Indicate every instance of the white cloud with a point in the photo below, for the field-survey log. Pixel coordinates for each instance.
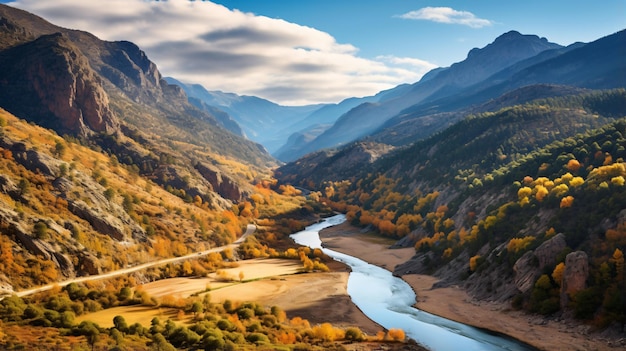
(447, 15)
(229, 50)
(407, 61)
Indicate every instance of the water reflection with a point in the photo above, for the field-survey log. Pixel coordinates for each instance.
(388, 301)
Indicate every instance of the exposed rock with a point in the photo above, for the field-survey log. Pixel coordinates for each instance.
(418, 264)
(49, 81)
(63, 184)
(130, 70)
(575, 275)
(223, 185)
(5, 285)
(530, 266)
(35, 246)
(37, 162)
(101, 221)
(9, 187)
(88, 265)
(32, 160)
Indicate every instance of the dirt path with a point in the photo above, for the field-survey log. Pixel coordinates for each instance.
(249, 231)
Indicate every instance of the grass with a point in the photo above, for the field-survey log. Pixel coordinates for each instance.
(132, 314)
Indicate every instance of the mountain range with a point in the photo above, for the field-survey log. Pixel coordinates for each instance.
(409, 112)
(504, 171)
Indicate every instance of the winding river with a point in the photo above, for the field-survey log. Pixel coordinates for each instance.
(389, 300)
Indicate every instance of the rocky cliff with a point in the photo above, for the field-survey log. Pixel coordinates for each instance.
(50, 82)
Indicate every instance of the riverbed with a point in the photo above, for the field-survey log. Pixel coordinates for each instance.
(389, 301)
(454, 303)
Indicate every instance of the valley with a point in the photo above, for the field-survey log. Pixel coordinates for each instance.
(144, 212)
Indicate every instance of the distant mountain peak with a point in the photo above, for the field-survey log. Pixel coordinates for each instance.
(513, 42)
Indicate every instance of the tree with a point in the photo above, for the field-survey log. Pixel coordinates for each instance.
(159, 343)
(618, 258)
(41, 230)
(60, 148)
(125, 294)
(557, 274)
(24, 186)
(90, 331)
(120, 324)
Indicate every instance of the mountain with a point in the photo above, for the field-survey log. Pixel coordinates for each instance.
(559, 71)
(505, 51)
(110, 95)
(523, 204)
(261, 120)
(325, 117)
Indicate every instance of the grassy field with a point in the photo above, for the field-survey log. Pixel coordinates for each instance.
(236, 278)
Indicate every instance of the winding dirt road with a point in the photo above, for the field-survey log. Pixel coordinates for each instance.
(249, 231)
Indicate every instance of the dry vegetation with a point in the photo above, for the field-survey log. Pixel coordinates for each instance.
(156, 223)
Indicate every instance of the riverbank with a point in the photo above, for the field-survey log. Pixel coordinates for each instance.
(453, 303)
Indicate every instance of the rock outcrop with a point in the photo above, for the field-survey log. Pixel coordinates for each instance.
(118, 228)
(15, 228)
(49, 81)
(5, 285)
(575, 275)
(530, 266)
(222, 184)
(88, 265)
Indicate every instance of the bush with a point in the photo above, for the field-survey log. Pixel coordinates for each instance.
(354, 334)
(257, 338)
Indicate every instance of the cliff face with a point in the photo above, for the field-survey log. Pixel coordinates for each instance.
(50, 82)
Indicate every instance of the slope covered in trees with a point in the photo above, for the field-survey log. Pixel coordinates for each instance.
(498, 201)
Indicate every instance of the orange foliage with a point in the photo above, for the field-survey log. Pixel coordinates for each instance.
(573, 165)
(327, 332)
(519, 244)
(473, 262)
(617, 235)
(567, 201)
(287, 337)
(289, 190)
(557, 273)
(386, 227)
(396, 334)
(542, 192)
(299, 322)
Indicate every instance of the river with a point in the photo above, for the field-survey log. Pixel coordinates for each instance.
(389, 301)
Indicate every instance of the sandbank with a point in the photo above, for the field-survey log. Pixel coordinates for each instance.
(453, 303)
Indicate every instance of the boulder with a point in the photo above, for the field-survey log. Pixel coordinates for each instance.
(88, 264)
(530, 266)
(575, 275)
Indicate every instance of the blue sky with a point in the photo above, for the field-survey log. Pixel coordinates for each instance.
(306, 51)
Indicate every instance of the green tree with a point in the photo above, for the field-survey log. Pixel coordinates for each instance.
(24, 186)
(120, 324)
(90, 331)
(159, 343)
(41, 230)
(60, 148)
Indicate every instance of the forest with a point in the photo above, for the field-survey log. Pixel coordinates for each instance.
(496, 186)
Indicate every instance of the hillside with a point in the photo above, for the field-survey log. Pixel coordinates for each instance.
(67, 210)
(262, 121)
(523, 204)
(445, 95)
(506, 50)
(111, 96)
